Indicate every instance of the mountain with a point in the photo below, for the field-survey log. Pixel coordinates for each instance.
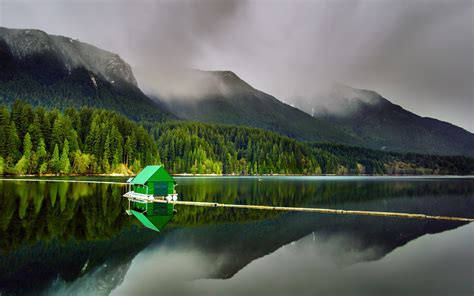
(222, 97)
(386, 126)
(57, 71)
(347, 116)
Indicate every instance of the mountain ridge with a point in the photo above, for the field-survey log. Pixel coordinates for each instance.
(56, 71)
(356, 117)
(384, 125)
(226, 98)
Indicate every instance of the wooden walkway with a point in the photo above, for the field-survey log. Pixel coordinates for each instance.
(317, 210)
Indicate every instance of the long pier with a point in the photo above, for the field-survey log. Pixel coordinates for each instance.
(262, 207)
(317, 210)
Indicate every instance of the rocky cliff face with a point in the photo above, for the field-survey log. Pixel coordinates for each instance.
(59, 72)
(72, 53)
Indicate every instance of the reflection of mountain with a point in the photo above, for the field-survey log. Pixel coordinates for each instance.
(32, 268)
(311, 192)
(236, 245)
(242, 243)
(53, 229)
(316, 265)
(60, 230)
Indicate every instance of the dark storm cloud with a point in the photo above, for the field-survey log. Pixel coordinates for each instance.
(419, 54)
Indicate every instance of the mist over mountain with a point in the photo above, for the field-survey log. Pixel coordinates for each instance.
(338, 113)
(384, 125)
(57, 71)
(223, 97)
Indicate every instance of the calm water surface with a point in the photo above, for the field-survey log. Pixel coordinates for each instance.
(75, 239)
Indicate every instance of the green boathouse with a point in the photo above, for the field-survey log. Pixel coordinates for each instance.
(153, 180)
(152, 183)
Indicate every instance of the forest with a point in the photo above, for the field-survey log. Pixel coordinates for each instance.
(97, 141)
(88, 141)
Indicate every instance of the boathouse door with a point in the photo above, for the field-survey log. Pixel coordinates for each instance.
(161, 188)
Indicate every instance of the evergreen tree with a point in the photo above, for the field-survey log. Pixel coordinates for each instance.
(41, 157)
(4, 127)
(112, 142)
(12, 145)
(107, 155)
(21, 167)
(27, 146)
(55, 163)
(2, 165)
(65, 165)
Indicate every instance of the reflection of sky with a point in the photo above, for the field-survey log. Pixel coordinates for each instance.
(442, 263)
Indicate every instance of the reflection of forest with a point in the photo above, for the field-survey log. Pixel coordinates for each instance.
(48, 229)
(294, 192)
(33, 211)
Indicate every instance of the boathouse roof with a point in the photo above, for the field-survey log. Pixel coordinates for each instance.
(145, 174)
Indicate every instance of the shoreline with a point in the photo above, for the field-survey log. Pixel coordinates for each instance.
(230, 175)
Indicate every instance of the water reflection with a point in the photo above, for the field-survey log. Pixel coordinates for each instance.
(55, 236)
(33, 211)
(440, 264)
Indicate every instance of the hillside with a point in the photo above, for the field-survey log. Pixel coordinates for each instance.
(56, 71)
(59, 72)
(341, 115)
(383, 125)
(222, 97)
(92, 141)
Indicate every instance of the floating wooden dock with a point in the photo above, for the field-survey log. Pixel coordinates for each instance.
(317, 210)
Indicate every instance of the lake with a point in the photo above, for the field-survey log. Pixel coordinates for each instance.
(75, 238)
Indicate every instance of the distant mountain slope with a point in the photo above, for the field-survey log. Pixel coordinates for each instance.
(222, 97)
(348, 115)
(386, 126)
(57, 71)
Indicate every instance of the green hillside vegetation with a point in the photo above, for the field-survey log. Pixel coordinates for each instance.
(395, 129)
(77, 90)
(80, 142)
(231, 100)
(96, 141)
(42, 79)
(363, 160)
(204, 148)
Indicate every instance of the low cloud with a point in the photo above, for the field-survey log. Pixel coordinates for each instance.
(419, 54)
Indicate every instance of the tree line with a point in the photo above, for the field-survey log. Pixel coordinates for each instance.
(97, 141)
(85, 141)
(228, 149)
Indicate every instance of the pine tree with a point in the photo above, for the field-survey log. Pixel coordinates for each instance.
(4, 125)
(12, 145)
(22, 113)
(55, 163)
(27, 146)
(21, 167)
(41, 157)
(57, 133)
(2, 165)
(106, 156)
(65, 165)
(35, 130)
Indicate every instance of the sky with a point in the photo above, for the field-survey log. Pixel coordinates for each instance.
(417, 53)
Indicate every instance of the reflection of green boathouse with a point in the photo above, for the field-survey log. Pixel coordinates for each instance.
(151, 184)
